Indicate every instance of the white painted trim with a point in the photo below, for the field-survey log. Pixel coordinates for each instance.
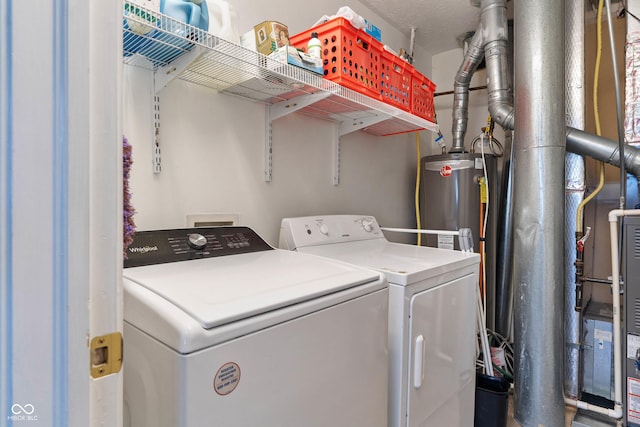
(60, 209)
(105, 232)
(6, 141)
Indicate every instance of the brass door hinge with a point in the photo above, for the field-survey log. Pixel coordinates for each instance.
(106, 355)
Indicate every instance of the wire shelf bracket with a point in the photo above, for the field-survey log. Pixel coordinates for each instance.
(167, 73)
(346, 127)
(287, 107)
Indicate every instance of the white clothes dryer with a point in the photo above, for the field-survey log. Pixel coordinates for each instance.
(432, 314)
(222, 329)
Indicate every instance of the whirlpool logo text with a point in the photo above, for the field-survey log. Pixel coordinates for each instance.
(143, 249)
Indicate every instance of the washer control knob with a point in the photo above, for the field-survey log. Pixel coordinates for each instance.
(197, 241)
(367, 224)
(324, 229)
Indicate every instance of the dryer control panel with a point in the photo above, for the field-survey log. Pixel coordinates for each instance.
(328, 229)
(163, 246)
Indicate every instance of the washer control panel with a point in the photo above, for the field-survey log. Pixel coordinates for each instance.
(162, 246)
(321, 230)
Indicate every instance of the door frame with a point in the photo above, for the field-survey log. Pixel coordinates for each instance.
(60, 209)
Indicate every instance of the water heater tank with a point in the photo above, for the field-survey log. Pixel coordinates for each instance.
(450, 199)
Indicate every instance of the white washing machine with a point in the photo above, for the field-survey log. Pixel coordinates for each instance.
(222, 329)
(432, 314)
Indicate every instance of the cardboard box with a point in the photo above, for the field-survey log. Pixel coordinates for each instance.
(266, 37)
(292, 56)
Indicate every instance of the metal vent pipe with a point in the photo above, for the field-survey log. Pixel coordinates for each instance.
(472, 58)
(538, 212)
(603, 149)
(496, 53)
(490, 41)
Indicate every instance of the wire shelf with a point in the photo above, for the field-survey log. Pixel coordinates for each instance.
(155, 41)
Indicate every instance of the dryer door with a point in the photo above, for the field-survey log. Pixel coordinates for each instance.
(442, 355)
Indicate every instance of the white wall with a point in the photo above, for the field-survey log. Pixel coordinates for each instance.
(213, 149)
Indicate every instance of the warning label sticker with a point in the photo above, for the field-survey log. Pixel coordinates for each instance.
(445, 241)
(633, 344)
(633, 400)
(227, 378)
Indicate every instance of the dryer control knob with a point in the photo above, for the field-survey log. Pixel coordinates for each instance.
(367, 224)
(197, 241)
(324, 229)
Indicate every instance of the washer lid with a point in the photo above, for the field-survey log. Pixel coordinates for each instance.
(218, 291)
(402, 264)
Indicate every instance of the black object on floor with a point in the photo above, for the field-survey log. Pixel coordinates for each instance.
(597, 400)
(492, 401)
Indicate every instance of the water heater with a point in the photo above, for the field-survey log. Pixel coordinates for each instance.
(450, 198)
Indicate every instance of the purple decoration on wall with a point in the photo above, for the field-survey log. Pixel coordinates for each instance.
(129, 225)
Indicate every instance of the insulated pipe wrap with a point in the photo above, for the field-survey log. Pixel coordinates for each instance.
(572, 317)
(574, 187)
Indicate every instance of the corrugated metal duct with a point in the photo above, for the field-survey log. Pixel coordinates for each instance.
(490, 41)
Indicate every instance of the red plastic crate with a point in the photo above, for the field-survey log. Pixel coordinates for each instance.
(395, 81)
(422, 91)
(350, 56)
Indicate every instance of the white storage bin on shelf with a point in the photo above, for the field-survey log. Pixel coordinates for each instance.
(173, 49)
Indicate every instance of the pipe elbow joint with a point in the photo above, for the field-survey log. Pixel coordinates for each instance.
(503, 114)
(632, 159)
(615, 214)
(616, 412)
